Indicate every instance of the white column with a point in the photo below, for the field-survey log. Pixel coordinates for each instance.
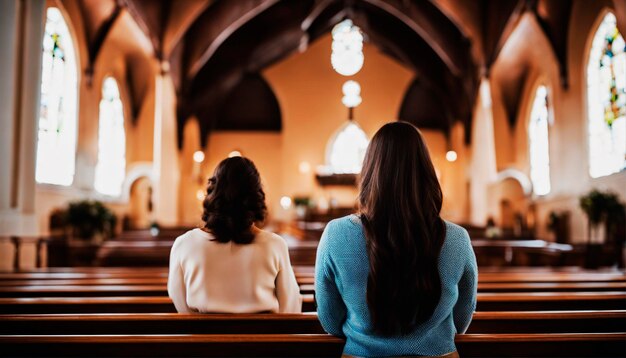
(9, 15)
(20, 64)
(166, 164)
(483, 163)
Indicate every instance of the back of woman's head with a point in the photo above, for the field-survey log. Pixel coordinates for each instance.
(400, 201)
(235, 200)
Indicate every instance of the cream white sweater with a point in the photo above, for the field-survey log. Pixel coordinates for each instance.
(209, 277)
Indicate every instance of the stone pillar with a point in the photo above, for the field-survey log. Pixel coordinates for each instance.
(166, 164)
(483, 159)
(21, 31)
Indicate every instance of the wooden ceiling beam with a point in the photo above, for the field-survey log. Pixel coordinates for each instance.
(554, 18)
(499, 19)
(227, 17)
(434, 27)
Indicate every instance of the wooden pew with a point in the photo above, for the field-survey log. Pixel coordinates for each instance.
(160, 323)
(550, 301)
(160, 304)
(524, 301)
(295, 345)
(172, 323)
(212, 345)
(548, 322)
(541, 345)
(117, 287)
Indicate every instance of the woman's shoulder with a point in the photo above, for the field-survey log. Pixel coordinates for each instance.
(190, 237)
(268, 238)
(346, 223)
(457, 239)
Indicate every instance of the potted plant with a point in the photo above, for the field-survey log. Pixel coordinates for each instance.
(302, 204)
(604, 213)
(90, 221)
(558, 224)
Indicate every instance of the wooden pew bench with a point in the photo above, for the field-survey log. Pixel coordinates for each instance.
(172, 323)
(160, 323)
(548, 322)
(295, 345)
(218, 345)
(43, 305)
(132, 287)
(541, 345)
(525, 301)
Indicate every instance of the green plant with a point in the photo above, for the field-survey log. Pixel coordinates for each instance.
(603, 208)
(302, 201)
(554, 219)
(86, 218)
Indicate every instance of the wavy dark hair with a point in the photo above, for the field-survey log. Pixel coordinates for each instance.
(399, 202)
(235, 200)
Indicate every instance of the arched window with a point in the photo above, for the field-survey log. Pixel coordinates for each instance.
(538, 143)
(606, 100)
(56, 148)
(346, 150)
(111, 167)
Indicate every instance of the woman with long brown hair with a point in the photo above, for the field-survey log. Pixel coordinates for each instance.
(396, 279)
(230, 265)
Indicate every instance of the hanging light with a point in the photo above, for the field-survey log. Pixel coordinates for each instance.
(347, 48)
(198, 156)
(451, 156)
(351, 94)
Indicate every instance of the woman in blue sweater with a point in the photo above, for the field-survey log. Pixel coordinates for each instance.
(396, 279)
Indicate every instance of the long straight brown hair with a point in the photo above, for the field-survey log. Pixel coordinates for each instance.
(400, 201)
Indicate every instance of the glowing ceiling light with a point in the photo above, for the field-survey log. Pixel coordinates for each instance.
(451, 156)
(347, 48)
(234, 153)
(285, 202)
(351, 94)
(198, 156)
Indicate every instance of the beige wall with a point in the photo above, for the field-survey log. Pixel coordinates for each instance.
(568, 129)
(111, 61)
(309, 94)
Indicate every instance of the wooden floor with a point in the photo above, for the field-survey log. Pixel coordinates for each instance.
(521, 312)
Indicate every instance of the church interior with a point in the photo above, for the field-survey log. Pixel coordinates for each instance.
(115, 113)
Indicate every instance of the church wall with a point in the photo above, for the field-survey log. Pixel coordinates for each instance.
(111, 61)
(568, 129)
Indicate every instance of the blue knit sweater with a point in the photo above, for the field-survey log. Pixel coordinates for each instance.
(341, 272)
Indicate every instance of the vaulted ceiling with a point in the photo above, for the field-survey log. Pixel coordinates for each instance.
(215, 49)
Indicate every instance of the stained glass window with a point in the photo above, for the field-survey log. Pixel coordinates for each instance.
(347, 149)
(538, 143)
(56, 148)
(606, 94)
(111, 167)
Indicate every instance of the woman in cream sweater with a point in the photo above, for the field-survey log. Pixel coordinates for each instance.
(230, 265)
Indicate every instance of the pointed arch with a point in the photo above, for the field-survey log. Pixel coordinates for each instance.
(57, 133)
(111, 166)
(538, 141)
(606, 98)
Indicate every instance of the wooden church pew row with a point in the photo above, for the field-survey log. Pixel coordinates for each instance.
(523, 301)
(161, 323)
(548, 322)
(541, 345)
(68, 288)
(218, 345)
(173, 323)
(296, 345)
(306, 275)
(159, 304)
(551, 301)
